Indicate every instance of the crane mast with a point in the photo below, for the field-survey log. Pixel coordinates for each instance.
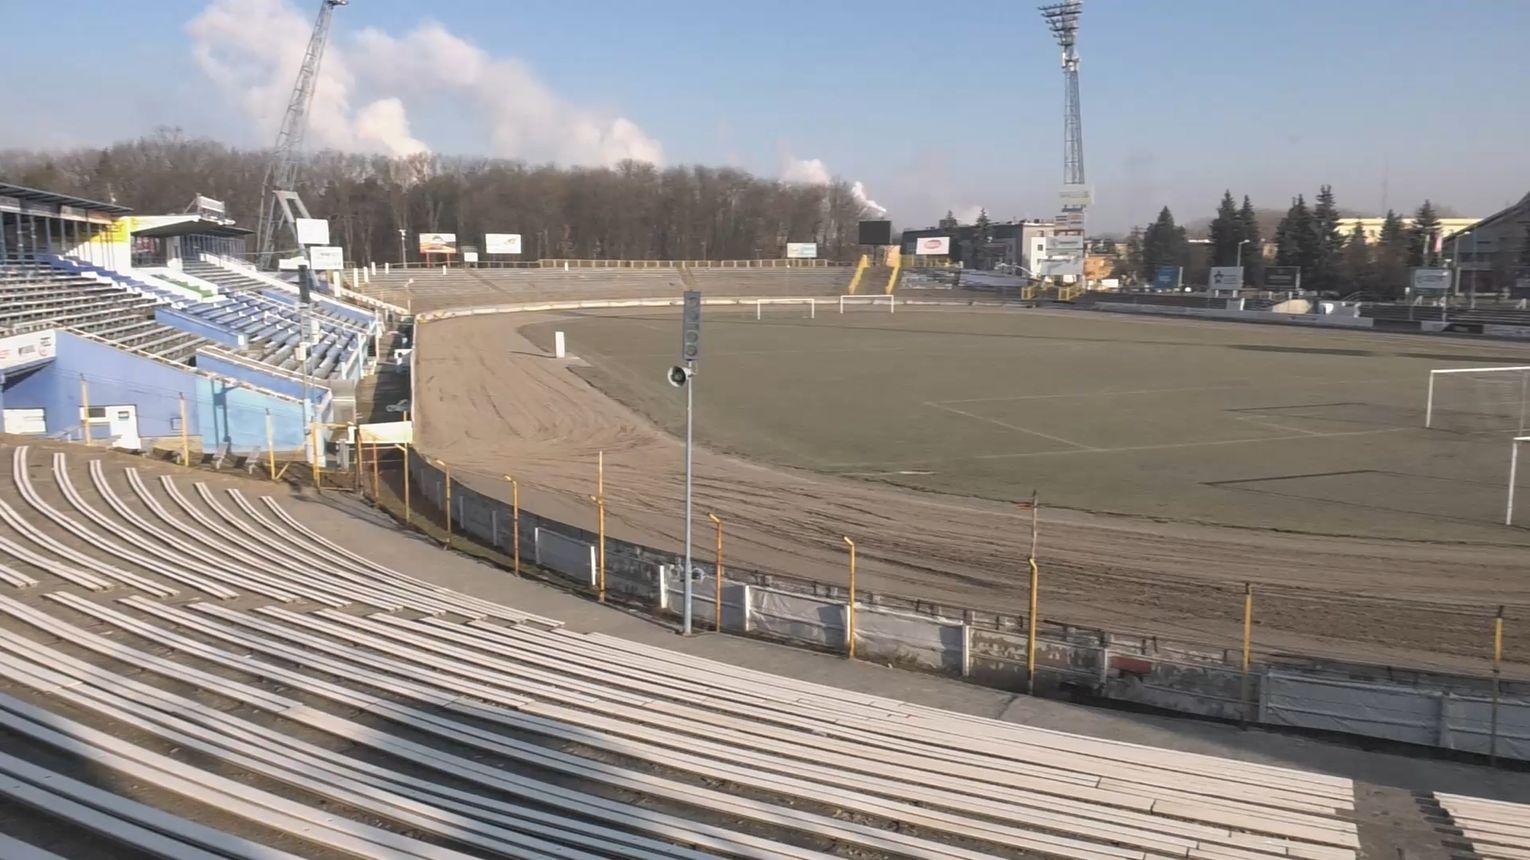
(280, 204)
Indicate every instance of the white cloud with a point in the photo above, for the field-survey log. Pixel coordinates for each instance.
(808, 171)
(812, 171)
(251, 50)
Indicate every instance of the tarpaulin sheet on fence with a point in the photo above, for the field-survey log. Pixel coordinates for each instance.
(814, 620)
(566, 555)
(908, 640)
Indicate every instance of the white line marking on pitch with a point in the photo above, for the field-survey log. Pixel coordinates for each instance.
(1271, 424)
(1007, 425)
(1307, 435)
(1140, 391)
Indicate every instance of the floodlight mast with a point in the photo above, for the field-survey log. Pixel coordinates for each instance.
(1062, 18)
(280, 204)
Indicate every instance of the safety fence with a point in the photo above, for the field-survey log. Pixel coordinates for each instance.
(1478, 715)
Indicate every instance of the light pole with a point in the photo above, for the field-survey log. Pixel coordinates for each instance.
(1240, 251)
(403, 256)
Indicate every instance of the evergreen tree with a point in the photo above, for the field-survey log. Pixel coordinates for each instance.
(981, 237)
(1422, 234)
(1389, 275)
(1253, 252)
(1327, 243)
(1358, 268)
(1226, 232)
(1164, 244)
(1294, 237)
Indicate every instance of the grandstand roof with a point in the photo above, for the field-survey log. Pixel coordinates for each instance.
(195, 227)
(21, 192)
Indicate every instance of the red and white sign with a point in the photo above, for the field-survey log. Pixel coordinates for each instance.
(933, 245)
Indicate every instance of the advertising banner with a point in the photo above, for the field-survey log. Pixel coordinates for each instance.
(933, 245)
(501, 243)
(801, 250)
(1283, 277)
(438, 243)
(326, 258)
(26, 348)
(1226, 278)
(1431, 280)
(312, 231)
(1166, 278)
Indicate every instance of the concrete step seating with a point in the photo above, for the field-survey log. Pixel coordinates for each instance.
(1492, 829)
(35, 296)
(493, 732)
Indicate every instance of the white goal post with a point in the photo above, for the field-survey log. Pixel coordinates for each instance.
(1516, 386)
(759, 306)
(1508, 514)
(869, 300)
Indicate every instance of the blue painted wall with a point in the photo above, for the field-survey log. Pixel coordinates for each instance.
(281, 383)
(217, 410)
(114, 378)
(196, 325)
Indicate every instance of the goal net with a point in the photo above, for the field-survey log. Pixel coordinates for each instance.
(1478, 399)
(790, 308)
(868, 301)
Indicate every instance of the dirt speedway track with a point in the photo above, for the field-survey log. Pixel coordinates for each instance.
(490, 402)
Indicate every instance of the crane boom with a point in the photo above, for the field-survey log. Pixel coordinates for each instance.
(280, 203)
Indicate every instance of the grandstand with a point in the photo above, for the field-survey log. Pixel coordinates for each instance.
(317, 699)
(167, 290)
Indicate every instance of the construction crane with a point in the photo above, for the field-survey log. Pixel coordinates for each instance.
(280, 204)
(1063, 19)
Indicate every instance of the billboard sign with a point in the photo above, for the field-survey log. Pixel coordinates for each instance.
(1226, 278)
(875, 233)
(1166, 278)
(1075, 196)
(1063, 243)
(1283, 277)
(801, 250)
(933, 246)
(26, 348)
(438, 243)
(501, 243)
(312, 231)
(326, 258)
(1431, 281)
(469, 256)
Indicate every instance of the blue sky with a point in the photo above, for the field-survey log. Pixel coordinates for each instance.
(932, 106)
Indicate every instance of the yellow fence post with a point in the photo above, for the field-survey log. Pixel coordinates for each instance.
(270, 445)
(313, 437)
(447, 471)
(850, 608)
(718, 573)
(1497, 677)
(185, 439)
(84, 410)
(376, 483)
(515, 524)
(1248, 642)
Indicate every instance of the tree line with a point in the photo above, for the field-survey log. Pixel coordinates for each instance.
(634, 210)
(1308, 236)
